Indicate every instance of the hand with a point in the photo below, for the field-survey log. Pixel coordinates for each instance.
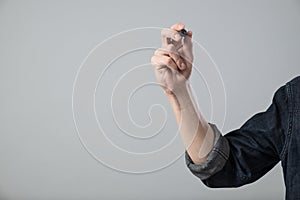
(173, 62)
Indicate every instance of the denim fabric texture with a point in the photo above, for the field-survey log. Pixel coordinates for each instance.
(244, 155)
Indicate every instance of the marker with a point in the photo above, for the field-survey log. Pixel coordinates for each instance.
(183, 32)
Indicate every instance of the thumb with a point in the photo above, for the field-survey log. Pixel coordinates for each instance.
(187, 48)
(188, 39)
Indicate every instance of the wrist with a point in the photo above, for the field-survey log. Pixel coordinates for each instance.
(180, 97)
(176, 95)
(179, 90)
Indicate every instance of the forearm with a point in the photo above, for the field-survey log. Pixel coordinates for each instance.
(196, 134)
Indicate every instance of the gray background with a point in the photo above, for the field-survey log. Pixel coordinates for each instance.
(255, 44)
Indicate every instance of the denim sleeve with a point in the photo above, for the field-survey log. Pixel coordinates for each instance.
(216, 158)
(244, 155)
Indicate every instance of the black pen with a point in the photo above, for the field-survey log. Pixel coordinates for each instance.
(183, 32)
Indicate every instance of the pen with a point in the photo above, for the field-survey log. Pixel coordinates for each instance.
(183, 32)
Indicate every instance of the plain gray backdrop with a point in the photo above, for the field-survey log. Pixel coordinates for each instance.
(255, 44)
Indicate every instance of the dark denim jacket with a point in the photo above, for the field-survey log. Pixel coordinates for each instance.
(244, 155)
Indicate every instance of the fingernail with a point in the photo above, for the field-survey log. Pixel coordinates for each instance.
(183, 66)
(177, 36)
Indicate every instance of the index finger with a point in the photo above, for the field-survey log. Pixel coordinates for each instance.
(178, 26)
(168, 34)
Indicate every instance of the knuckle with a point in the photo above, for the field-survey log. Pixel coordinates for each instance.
(153, 60)
(169, 61)
(179, 61)
(157, 51)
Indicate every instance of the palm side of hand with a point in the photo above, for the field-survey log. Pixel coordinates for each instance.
(173, 61)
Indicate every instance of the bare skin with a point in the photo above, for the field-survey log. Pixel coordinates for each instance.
(172, 64)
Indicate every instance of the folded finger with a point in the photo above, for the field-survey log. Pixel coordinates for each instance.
(168, 35)
(178, 26)
(163, 61)
(171, 52)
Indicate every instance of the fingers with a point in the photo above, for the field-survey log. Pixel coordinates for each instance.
(171, 35)
(163, 61)
(171, 52)
(176, 57)
(178, 26)
(168, 35)
(188, 39)
(186, 51)
(172, 45)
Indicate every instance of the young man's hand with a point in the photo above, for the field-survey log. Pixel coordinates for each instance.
(173, 62)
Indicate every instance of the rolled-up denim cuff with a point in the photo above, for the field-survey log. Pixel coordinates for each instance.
(216, 158)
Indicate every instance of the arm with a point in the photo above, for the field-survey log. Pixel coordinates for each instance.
(196, 133)
(257, 146)
(172, 65)
(241, 156)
